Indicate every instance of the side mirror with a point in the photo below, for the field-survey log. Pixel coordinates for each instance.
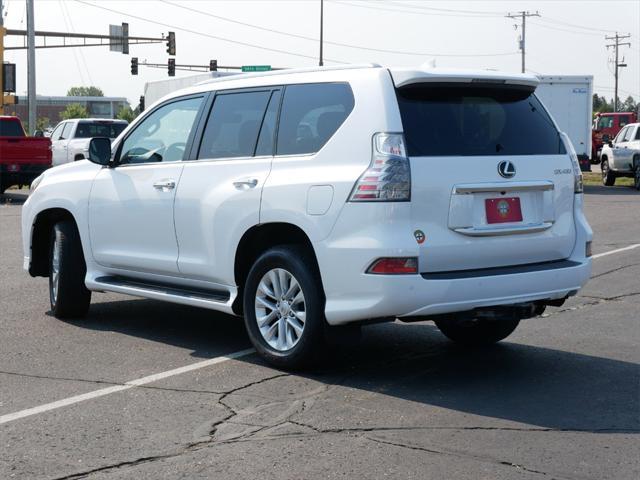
(100, 150)
(610, 143)
(38, 133)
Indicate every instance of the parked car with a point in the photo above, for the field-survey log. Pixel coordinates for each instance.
(606, 126)
(311, 201)
(621, 156)
(70, 139)
(22, 158)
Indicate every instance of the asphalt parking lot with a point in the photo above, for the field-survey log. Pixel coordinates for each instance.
(558, 399)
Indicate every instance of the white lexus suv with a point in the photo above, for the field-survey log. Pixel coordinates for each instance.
(312, 201)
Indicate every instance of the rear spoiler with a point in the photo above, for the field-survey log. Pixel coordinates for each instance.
(404, 77)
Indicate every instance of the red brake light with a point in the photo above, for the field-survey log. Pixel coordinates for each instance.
(394, 266)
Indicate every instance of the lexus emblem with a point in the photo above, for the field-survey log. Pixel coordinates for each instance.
(506, 169)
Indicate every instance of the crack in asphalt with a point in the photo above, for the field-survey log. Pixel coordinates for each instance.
(614, 270)
(461, 455)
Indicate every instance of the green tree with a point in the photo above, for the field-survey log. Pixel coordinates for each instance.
(126, 113)
(85, 92)
(42, 123)
(74, 110)
(629, 105)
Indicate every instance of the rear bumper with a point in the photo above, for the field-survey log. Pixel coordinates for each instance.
(20, 173)
(377, 296)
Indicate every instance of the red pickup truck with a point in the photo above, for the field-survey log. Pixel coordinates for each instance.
(22, 158)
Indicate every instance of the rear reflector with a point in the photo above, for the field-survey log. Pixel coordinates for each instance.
(587, 250)
(394, 266)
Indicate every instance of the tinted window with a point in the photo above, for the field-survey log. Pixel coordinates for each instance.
(310, 115)
(452, 120)
(267, 132)
(66, 133)
(638, 133)
(233, 125)
(96, 129)
(9, 128)
(162, 135)
(624, 120)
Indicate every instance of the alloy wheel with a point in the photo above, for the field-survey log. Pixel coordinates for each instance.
(280, 309)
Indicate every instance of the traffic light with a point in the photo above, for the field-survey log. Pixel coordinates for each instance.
(134, 65)
(141, 104)
(213, 65)
(171, 43)
(172, 67)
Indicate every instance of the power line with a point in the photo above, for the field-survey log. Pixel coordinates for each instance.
(552, 27)
(339, 44)
(202, 34)
(559, 22)
(472, 12)
(415, 12)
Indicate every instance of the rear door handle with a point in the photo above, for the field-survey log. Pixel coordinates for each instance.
(165, 185)
(250, 183)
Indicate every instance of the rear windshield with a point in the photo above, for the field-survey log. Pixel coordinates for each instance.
(452, 120)
(96, 129)
(10, 128)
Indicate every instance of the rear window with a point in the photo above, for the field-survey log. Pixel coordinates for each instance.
(10, 128)
(96, 129)
(311, 114)
(450, 120)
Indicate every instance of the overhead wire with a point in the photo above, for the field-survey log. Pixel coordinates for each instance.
(207, 35)
(73, 30)
(73, 50)
(328, 42)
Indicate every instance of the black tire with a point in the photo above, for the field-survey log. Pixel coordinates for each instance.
(301, 265)
(68, 295)
(477, 331)
(608, 176)
(636, 172)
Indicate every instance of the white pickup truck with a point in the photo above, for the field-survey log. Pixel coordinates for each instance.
(621, 156)
(70, 139)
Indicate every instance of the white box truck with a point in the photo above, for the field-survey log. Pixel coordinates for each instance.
(154, 91)
(569, 100)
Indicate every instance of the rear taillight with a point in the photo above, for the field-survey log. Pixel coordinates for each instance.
(394, 266)
(388, 178)
(577, 173)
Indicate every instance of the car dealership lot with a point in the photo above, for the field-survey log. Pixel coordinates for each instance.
(560, 398)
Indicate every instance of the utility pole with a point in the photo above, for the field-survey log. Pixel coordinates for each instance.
(616, 46)
(1, 60)
(523, 18)
(321, 29)
(31, 66)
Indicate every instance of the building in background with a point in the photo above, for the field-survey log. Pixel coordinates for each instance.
(52, 107)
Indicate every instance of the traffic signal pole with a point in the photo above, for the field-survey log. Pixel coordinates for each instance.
(1, 60)
(31, 66)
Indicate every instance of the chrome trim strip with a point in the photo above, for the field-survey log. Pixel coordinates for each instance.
(503, 187)
(505, 230)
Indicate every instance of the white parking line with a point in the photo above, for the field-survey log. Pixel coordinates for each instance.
(10, 417)
(611, 252)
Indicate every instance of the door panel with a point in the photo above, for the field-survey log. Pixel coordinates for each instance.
(131, 217)
(131, 220)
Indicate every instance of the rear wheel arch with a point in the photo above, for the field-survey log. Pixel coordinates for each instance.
(257, 240)
(41, 238)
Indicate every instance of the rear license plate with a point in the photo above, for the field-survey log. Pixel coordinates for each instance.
(503, 210)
